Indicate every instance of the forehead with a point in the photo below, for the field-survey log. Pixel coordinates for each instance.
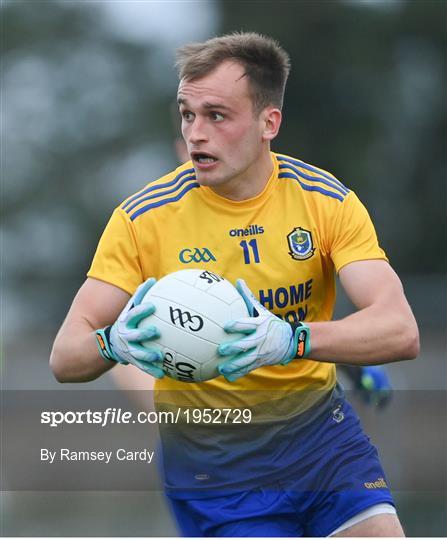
(227, 83)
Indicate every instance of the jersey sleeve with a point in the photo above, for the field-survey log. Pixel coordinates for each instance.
(353, 235)
(116, 260)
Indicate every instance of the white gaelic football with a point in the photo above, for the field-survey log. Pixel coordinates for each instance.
(192, 307)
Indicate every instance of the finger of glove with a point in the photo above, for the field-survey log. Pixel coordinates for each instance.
(141, 334)
(249, 298)
(138, 313)
(231, 377)
(239, 346)
(240, 362)
(145, 354)
(140, 293)
(244, 325)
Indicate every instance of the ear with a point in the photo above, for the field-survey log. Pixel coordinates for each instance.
(271, 121)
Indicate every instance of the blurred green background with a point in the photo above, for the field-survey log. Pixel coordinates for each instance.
(86, 105)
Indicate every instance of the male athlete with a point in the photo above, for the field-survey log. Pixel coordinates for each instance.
(279, 229)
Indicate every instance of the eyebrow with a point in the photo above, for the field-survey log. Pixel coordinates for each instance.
(206, 105)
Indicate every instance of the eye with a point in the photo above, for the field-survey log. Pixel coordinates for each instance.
(187, 116)
(216, 116)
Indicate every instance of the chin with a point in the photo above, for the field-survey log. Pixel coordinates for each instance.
(207, 179)
(208, 182)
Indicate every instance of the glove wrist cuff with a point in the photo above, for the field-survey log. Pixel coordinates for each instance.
(301, 340)
(103, 342)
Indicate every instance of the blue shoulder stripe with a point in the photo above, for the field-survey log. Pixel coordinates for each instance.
(303, 165)
(311, 188)
(182, 193)
(156, 187)
(304, 176)
(160, 194)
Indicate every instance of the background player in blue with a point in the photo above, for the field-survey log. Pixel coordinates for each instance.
(230, 115)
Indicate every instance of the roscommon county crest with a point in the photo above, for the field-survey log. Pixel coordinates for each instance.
(300, 244)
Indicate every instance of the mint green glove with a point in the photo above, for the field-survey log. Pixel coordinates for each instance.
(122, 341)
(268, 340)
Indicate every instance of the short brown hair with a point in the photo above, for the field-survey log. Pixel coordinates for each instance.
(266, 63)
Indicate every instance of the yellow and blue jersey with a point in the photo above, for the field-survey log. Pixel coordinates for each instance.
(287, 243)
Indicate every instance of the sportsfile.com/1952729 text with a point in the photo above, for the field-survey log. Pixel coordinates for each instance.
(113, 415)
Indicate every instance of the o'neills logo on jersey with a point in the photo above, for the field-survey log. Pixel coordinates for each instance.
(379, 483)
(249, 231)
(300, 244)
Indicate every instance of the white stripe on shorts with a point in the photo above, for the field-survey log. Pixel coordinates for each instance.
(383, 508)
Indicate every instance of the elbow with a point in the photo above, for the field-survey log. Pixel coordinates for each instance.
(57, 367)
(414, 346)
(410, 343)
(60, 377)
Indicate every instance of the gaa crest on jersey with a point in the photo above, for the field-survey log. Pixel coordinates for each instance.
(300, 244)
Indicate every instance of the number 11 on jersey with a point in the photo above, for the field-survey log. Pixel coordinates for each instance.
(249, 252)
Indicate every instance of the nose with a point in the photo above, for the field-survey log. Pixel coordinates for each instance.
(196, 131)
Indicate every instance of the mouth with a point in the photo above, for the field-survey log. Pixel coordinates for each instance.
(203, 158)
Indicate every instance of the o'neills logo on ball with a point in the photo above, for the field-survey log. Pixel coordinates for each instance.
(178, 369)
(248, 231)
(185, 371)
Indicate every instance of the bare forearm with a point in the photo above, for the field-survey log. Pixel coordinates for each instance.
(75, 356)
(369, 336)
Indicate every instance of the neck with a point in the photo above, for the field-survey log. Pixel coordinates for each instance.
(249, 183)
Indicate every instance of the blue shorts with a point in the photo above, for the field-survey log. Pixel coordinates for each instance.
(324, 489)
